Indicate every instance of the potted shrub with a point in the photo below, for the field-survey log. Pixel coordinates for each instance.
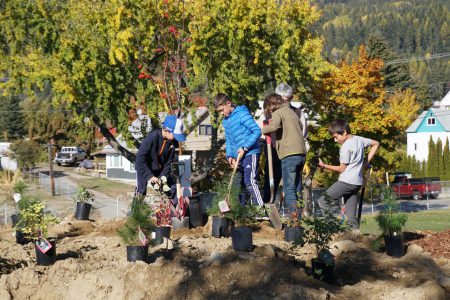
(319, 232)
(84, 200)
(163, 211)
(391, 222)
(137, 230)
(293, 229)
(243, 217)
(22, 204)
(34, 223)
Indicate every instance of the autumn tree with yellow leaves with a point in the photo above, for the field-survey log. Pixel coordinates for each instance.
(355, 92)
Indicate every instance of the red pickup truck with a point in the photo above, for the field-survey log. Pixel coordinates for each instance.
(416, 188)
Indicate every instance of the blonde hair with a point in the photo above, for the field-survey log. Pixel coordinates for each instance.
(271, 103)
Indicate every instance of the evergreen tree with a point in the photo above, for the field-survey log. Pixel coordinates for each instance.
(439, 166)
(395, 76)
(446, 161)
(432, 158)
(11, 119)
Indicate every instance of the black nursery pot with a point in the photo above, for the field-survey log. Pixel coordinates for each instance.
(394, 245)
(292, 234)
(48, 258)
(321, 270)
(161, 233)
(242, 239)
(14, 220)
(135, 253)
(220, 227)
(195, 212)
(83, 210)
(21, 239)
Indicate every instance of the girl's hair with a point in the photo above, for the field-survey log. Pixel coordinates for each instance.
(339, 127)
(271, 104)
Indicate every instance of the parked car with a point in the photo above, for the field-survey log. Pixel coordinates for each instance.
(416, 188)
(69, 156)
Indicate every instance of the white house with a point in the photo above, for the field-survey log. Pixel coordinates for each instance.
(6, 162)
(434, 122)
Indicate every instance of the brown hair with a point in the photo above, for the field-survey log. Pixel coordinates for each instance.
(339, 127)
(220, 99)
(271, 103)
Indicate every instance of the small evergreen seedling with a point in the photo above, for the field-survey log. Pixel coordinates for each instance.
(391, 221)
(139, 219)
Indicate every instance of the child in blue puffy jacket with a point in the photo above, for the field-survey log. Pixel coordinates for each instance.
(242, 136)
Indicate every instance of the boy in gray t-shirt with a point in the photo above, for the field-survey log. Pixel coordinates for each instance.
(351, 159)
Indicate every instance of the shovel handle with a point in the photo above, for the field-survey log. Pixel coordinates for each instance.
(234, 171)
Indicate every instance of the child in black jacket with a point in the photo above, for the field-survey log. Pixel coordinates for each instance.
(156, 153)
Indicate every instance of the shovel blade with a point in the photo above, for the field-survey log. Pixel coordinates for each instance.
(223, 206)
(274, 216)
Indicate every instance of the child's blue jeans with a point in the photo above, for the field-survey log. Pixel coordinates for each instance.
(291, 169)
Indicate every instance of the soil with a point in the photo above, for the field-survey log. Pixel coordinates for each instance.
(91, 264)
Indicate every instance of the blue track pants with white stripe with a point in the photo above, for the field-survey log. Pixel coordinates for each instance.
(248, 168)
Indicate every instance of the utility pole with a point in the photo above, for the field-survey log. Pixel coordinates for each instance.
(52, 179)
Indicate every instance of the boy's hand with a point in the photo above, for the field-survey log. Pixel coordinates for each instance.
(320, 163)
(241, 152)
(231, 161)
(154, 180)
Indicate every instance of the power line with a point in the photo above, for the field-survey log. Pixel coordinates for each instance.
(411, 59)
(416, 85)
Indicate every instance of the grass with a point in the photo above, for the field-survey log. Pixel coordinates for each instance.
(109, 187)
(434, 220)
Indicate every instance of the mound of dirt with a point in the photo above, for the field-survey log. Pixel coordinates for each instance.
(91, 264)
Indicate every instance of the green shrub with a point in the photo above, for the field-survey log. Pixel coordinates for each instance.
(140, 218)
(19, 187)
(390, 220)
(83, 195)
(35, 221)
(221, 191)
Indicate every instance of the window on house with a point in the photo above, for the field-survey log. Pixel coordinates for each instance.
(116, 161)
(415, 146)
(132, 167)
(205, 129)
(431, 121)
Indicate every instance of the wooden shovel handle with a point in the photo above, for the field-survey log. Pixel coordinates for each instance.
(234, 171)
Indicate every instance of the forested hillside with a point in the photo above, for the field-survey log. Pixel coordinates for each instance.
(411, 28)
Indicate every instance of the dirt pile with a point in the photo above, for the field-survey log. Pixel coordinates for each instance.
(91, 264)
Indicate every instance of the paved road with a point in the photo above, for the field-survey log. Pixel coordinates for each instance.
(413, 205)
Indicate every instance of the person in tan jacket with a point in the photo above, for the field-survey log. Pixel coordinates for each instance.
(290, 147)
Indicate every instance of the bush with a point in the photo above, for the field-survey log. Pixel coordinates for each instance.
(390, 220)
(34, 221)
(83, 195)
(27, 153)
(319, 232)
(221, 190)
(140, 218)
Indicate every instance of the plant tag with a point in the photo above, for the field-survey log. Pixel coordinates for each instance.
(142, 237)
(223, 206)
(17, 197)
(43, 245)
(153, 235)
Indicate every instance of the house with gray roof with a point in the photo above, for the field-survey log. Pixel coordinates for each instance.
(434, 122)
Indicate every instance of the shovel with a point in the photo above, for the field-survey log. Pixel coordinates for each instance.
(363, 190)
(180, 220)
(271, 208)
(223, 205)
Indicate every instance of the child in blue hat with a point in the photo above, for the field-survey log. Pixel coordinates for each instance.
(156, 153)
